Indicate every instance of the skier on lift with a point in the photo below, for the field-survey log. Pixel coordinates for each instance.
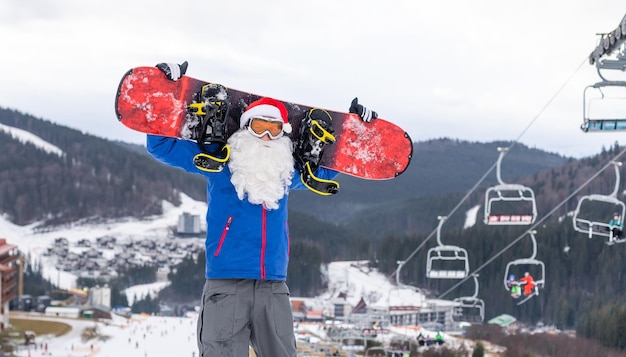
(528, 282)
(514, 286)
(616, 225)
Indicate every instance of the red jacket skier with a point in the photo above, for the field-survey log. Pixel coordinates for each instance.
(528, 282)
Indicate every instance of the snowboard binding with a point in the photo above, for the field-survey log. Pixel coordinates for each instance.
(210, 109)
(211, 163)
(315, 132)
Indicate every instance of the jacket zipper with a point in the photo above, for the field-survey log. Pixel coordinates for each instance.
(263, 240)
(224, 233)
(288, 239)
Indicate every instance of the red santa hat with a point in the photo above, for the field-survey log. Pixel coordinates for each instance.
(268, 109)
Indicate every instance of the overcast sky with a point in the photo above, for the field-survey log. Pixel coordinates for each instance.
(478, 70)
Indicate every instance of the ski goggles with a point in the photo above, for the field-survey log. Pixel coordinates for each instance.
(260, 126)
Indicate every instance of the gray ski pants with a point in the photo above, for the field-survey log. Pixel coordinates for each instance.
(237, 313)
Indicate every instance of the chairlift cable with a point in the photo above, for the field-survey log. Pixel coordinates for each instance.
(493, 166)
(538, 222)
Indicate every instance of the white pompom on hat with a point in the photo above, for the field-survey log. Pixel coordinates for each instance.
(269, 109)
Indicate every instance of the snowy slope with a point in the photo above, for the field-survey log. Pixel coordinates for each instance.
(24, 136)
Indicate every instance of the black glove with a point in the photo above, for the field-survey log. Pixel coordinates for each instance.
(366, 114)
(173, 71)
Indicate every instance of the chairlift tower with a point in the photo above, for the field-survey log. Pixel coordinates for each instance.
(609, 56)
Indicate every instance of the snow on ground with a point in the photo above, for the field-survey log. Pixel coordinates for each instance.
(157, 336)
(34, 243)
(357, 280)
(141, 291)
(470, 217)
(153, 336)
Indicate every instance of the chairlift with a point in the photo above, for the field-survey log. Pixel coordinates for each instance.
(509, 204)
(608, 56)
(518, 267)
(446, 261)
(376, 351)
(603, 112)
(469, 308)
(352, 340)
(593, 212)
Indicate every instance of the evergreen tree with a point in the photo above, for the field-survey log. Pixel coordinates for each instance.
(479, 350)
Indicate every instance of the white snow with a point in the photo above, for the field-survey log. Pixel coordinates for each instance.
(356, 280)
(470, 216)
(24, 136)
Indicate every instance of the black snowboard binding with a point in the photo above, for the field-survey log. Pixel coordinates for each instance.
(315, 131)
(210, 109)
(211, 162)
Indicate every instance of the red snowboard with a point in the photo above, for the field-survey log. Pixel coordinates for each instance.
(148, 102)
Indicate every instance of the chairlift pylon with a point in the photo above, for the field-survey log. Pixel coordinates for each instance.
(608, 56)
(584, 219)
(446, 261)
(518, 200)
(526, 264)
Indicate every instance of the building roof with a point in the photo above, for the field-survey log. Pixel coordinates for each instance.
(6, 248)
(360, 308)
(503, 320)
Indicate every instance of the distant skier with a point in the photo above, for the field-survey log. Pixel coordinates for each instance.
(439, 338)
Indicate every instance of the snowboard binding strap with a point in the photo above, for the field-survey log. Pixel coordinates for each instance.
(211, 163)
(321, 133)
(210, 107)
(315, 131)
(318, 185)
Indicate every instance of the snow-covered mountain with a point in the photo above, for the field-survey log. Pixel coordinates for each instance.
(26, 137)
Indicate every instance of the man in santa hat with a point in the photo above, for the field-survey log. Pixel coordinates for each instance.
(245, 298)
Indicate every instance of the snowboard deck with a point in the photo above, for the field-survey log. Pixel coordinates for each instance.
(148, 102)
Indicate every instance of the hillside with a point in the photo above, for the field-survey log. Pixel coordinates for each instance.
(92, 177)
(87, 178)
(98, 177)
(438, 168)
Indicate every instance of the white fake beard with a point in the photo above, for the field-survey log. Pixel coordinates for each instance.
(260, 170)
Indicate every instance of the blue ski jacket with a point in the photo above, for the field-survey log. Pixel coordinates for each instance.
(244, 240)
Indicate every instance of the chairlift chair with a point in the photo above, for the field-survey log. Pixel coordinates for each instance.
(469, 308)
(607, 114)
(446, 261)
(518, 200)
(598, 224)
(528, 264)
